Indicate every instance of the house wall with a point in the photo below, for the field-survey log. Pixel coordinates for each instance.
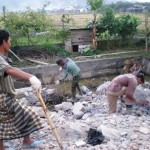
(78, 37)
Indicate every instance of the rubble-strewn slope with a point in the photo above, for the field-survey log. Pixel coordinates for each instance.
(122, 131)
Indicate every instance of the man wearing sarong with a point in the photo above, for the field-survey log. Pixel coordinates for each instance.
(16, 119)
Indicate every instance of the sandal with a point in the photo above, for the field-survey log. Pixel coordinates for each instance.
(33, 145)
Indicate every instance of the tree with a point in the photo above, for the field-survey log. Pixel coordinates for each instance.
(107, 22)
(66, 20)
(127, 26)
(26, 23)
(64, 33)
(95, 5)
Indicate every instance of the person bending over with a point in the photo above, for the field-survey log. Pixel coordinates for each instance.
(70, 67)
(123, 85)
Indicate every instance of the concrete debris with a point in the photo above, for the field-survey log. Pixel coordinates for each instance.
(78, 110)
(63, 106)
(50, 91)
(108, 132)
(84, 89)
(73, 120)
(102, 88)
(144, 130)
(32, 99)
(39, 110)
(80, 143)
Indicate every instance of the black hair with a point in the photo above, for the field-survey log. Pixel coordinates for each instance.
(59, 61)
(4, 35)
(141, 76)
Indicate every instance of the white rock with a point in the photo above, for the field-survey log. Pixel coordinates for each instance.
(94, 95)
(80, 143)
(133, 137)
(81, 128)
(85, 89)
(144, 130)
(139, 94)
(89, 93)
(102, 88)
(24, 100)
(85, 116)
(32, 98)
(78, 107)
(78, 115)
(63, 106)
(87, 98)
(50, 91)
(124, 133)
(108, 132)
(40, 111)
(78, 96)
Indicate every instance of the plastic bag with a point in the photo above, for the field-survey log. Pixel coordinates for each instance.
(95, 137)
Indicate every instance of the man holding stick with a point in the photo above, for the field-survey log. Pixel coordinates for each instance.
(16, 119)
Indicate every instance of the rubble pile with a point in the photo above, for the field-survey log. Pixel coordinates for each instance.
(121, 131)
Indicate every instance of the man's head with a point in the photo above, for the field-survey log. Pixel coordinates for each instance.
(5, 42)
(140, 78)
(60, 62)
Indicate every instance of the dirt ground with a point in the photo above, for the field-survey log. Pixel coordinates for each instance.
(32, 52)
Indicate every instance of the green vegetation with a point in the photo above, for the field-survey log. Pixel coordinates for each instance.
(53, 49)
(38, 28)
(26, 24)
(110, 26)
(127, 26)
(95, 5)
(33, 28)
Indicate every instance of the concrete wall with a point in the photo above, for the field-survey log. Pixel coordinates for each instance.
(89, 68)
(146, 63)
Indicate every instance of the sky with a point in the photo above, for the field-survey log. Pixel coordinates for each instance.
(17, 5)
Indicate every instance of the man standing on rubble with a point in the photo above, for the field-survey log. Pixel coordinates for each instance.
(16, 119)
(123, 85)
(70, 67)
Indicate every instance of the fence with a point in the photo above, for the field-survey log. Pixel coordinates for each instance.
(118, 43)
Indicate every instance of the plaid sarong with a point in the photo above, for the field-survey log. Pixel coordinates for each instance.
(16, 119)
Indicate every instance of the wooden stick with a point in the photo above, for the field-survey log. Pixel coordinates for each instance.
(50, 121)
(38, 62)
(15, 55)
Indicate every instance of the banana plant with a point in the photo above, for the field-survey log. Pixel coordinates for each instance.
(94, 5)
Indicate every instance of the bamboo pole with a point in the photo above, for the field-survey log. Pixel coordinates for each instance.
(50, 121)
(15, 55)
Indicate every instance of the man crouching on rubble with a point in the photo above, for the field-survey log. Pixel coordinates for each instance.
(70, 67)
(123, 85)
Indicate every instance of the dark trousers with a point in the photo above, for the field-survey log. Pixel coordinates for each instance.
(75, 85)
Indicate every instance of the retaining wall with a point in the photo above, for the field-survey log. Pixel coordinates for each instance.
(89, 68)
